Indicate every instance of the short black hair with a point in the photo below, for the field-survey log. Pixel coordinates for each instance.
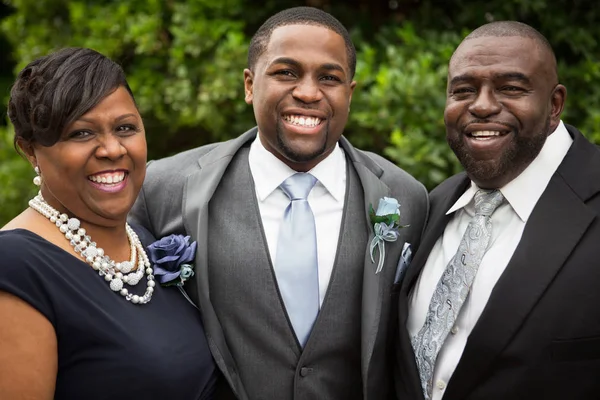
(514, 28)
(299, 16)
(55, 90)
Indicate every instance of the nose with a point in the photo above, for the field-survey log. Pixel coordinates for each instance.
(307, 90)
(110, 146)
(485, 104)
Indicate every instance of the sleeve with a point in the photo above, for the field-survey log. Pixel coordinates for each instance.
(21, 275)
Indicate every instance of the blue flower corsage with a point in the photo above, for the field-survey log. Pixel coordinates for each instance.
(172, 259)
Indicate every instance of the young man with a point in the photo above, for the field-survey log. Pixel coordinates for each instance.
(292, 303)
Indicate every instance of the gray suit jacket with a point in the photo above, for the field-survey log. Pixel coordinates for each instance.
(175, 197)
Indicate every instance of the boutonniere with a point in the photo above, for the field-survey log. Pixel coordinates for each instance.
(172, 258)
(386, 224)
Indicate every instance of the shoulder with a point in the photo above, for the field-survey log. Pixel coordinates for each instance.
(25, 271)
(177, 166)
(399, 181)
(448, 187)
(23, 251)
(16, 243)
(174, 170)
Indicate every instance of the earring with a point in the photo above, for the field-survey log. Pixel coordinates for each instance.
(37, 181)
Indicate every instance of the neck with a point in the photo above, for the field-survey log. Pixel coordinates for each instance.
(112, 239)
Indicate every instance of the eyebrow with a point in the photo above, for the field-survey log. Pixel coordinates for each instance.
(294, 63)
(507, 75)
(118, 119)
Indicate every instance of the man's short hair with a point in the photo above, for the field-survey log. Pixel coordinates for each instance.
(299, 16)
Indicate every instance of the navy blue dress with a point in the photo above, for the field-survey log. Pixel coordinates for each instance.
(108, 348)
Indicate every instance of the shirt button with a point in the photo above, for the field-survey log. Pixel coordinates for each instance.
(454, 330)
(440, 384)
(304, 371)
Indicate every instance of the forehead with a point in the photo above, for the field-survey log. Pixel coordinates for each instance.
(306, 43)
(493, 55)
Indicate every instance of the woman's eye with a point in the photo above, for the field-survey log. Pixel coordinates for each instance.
(127, 128)
(80, 135)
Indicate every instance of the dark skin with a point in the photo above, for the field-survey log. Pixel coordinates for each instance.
(302, 75)
(106, 141)
(503, 100)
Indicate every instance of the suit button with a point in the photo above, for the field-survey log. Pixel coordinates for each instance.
(454, 330)
(440, 384)
(305, 371)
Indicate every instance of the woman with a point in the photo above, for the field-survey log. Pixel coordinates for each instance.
(75, 325)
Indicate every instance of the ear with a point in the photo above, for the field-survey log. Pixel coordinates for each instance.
(352, 86)
(29, 151)
(557, 104)
(248, 86)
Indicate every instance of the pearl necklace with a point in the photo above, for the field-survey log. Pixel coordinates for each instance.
(113, 272)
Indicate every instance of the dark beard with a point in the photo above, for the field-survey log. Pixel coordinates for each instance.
(516, 158)
(294, 156)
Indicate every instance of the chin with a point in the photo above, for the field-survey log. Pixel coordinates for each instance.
(302, 154)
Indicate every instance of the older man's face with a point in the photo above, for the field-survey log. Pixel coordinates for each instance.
(503, 100)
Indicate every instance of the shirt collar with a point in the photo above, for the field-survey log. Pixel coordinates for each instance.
(523, 192)
(269, 172)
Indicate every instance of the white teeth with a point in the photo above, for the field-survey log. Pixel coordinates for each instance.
(300, 120)
(485, 133)
(109, 179)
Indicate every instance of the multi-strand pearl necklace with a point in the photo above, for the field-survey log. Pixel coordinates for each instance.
(115, 273)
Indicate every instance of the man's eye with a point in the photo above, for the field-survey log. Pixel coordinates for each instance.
(463, 90)
(284, 72)
(511, 89)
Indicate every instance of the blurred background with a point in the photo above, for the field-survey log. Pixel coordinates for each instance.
(184, 61)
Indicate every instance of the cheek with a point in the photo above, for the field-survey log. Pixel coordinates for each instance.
(530, 114)
(61, 164)
(137, 151)
(451, 114)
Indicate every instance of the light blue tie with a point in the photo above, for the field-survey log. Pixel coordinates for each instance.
(296, 266)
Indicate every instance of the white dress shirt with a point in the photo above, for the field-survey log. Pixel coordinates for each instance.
(326, 201)
(508, 223)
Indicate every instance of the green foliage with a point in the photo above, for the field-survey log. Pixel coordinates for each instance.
(399, 100)
(185, 58)
(16, 187)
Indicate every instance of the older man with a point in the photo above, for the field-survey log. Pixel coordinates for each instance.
(501, 302)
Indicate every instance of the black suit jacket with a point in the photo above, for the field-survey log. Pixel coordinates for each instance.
(539, 334)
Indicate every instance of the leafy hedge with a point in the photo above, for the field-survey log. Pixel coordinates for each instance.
(184, 61)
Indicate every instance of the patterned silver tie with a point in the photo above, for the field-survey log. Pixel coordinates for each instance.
(454, 286)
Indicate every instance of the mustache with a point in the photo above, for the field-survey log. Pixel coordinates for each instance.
(488, 121)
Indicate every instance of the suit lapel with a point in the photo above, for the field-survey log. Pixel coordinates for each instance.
(374, 189)
(435, 227)
(555, 227)
(198, 191)
(437, 223)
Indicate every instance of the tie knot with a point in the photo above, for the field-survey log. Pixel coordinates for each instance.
(486, 201)
(298, 186)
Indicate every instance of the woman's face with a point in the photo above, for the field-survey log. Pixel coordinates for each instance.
(95, 171)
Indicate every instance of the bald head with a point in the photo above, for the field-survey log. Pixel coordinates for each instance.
(517, 29)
